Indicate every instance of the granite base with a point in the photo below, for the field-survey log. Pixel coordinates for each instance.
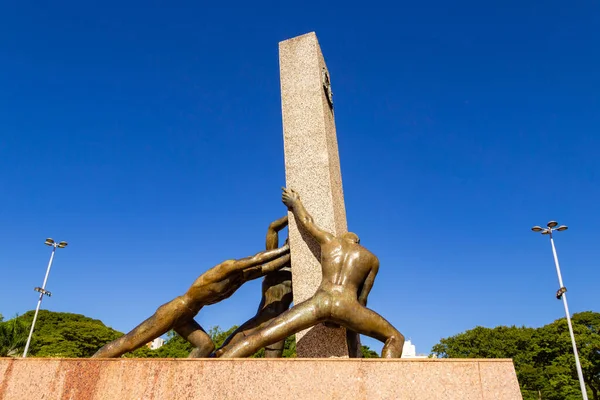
(125, 378)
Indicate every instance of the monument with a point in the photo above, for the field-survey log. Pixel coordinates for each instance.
(312, 168)
(332, 274)
(320, 251)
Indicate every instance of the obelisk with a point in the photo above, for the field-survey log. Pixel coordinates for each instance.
(312, 168)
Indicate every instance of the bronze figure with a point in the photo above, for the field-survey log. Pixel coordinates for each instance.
(276, 298)
(216, 284)
(349, 271)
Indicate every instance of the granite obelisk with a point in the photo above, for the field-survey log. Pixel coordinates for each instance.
(312, 168)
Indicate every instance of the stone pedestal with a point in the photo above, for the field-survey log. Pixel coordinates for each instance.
(312, 168)
(249, 379)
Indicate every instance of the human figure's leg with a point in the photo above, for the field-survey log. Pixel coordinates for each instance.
(354, 345)
(300, 317)
(264, 316)
(280, 299)
(275, 350)
(368, 322)
(246, 329)
(193, 333)
(165, 317)
(276, 299)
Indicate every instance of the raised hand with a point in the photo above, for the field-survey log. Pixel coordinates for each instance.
(289, 197)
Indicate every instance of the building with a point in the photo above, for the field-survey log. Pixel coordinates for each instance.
(156, 343)
(410, 351)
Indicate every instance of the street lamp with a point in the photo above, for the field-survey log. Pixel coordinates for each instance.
(42, 290)
(562, 293)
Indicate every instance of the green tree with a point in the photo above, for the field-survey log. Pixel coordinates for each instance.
(13, 336)
(60, 334)
(178, 347)
(587, 327)
(174, 347)
(554, 354)
(72, 335)
(543, 357)
(218, 335)
(368, 353)
(289, 349)
(142, 352)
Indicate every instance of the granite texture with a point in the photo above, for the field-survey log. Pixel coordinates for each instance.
(356, 379)
(312, 168)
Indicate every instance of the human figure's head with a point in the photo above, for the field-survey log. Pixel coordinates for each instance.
(351, 237)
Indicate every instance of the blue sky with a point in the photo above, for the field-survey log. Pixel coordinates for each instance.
(148, 135)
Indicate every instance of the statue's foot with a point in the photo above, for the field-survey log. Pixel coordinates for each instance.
(104, 352)
(393, 347)
(207, 352)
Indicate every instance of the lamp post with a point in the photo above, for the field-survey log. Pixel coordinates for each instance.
(42, 290)
(562, 293)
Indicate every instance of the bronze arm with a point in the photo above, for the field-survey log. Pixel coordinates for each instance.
(368, 285)
(272, 232)
(291, 199)
(261, 270)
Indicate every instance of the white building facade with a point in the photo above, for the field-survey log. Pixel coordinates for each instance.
(410, 351)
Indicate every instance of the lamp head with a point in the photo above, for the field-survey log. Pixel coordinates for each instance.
(62, 245)
(552, 224)
(562, 228)
(537, 229)
(49, 242)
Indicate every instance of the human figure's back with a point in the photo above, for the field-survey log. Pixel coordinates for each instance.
(345, 263)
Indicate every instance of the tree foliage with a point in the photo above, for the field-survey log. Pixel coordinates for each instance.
(174, 347)
(543, 357)
(59, 334)
(219, 336)
(368, 353)
(177, 347)
(289, 349)
(13, 336)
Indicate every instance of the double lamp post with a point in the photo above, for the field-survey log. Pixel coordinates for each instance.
(42, 290)
(562, 294)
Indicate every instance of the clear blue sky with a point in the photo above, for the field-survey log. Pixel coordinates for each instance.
(148, 135)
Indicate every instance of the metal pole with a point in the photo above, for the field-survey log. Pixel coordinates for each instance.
(37, 309)
(564, 298)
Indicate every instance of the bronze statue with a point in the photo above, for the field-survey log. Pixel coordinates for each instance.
(216, 284)
(276, 298)
(349, 271)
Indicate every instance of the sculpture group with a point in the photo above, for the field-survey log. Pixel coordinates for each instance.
(348, 271)
(312, 251)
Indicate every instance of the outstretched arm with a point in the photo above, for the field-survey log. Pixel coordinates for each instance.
(264, 269)
(273, 232)
(368, 284)
(261, 258)
(227, 267)
(291, 199)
